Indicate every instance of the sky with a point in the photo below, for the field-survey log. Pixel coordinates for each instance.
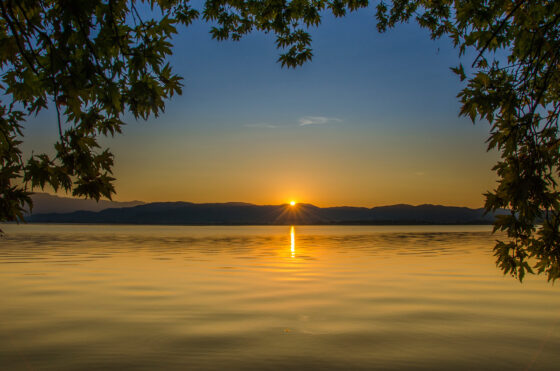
(372, 120)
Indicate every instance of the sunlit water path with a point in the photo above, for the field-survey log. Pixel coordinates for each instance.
(386, 298)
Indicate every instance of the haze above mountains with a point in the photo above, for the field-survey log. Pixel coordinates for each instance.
(54, 209)
(44, 203)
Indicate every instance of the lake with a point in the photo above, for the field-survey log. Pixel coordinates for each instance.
(309, 297)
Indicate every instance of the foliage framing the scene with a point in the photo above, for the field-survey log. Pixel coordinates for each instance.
(94, 60)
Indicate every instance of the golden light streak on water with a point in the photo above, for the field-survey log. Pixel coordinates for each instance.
(293, 239)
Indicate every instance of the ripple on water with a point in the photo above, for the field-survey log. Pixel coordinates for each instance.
(388, 298)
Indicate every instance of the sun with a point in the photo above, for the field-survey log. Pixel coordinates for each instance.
(292, 203)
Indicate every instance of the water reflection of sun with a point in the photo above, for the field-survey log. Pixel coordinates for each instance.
(293, 240)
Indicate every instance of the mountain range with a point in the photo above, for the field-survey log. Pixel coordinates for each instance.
(237, 213)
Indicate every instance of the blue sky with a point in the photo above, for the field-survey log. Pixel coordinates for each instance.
(372, 120)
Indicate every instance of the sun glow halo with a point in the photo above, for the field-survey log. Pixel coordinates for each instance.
(292, 203)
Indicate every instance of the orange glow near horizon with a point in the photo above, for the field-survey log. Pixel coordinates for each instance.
(292, 203)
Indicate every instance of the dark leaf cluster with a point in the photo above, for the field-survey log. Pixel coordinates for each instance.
(514, 85)
(92, 61)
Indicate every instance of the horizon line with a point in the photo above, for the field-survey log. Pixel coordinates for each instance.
(287, 203)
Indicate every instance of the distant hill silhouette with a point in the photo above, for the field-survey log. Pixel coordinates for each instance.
(46, 203)
(235, 213)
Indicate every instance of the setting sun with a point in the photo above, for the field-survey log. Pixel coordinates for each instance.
(292, 203)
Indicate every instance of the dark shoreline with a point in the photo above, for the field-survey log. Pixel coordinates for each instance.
(182, 213)
(365, 223)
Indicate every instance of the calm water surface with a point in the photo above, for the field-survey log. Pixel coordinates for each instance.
(386, 298)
